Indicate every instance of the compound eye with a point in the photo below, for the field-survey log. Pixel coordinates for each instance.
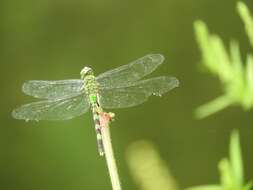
(85, 71)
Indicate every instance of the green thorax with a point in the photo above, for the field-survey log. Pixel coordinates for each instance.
(90, 84)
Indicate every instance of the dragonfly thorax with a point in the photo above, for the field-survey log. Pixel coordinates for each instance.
(90, 84)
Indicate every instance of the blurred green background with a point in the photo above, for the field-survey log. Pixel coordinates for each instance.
(51, 40)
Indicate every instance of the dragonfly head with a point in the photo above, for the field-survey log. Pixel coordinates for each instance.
(86, 71)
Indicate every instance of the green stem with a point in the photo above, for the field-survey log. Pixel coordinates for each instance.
(212, 107)
(110, 160)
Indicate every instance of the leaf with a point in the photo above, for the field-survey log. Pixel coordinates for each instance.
(248, 99)
(236, 87)
(246, 17)
(226, 176)
(236, 79)
(222, 61)
(206, 187)
(213, 106)
(236, 160)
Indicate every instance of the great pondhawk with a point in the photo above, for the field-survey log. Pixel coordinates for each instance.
(116, 88)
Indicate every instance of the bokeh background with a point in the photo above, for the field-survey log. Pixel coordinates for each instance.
(51, 40)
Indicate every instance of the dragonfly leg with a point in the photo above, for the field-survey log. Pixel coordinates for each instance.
(106, 118)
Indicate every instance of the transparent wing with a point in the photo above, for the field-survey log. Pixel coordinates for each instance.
(138, 93)
(53, 109)
(131, 72)
(53, 89)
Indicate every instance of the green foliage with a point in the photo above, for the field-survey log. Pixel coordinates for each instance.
(231, 170)
(247, 19)
(149, 170)
(227, 65)
(206, 187)
(147, 167)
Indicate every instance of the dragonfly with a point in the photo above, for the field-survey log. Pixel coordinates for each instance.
(121, 87)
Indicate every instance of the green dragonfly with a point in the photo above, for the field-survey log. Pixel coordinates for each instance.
(117, 88)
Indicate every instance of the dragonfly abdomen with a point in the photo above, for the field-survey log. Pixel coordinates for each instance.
(98, 127)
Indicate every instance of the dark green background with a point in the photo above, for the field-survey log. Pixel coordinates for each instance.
(55, 39)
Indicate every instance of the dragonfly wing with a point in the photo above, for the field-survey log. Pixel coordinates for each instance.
(131, 72)
(62, 109)
(136, 94)
(53, 89)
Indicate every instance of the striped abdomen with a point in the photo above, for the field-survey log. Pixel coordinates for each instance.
(98, 128)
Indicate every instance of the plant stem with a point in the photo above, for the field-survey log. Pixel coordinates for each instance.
(213, 106)
(110, 160)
